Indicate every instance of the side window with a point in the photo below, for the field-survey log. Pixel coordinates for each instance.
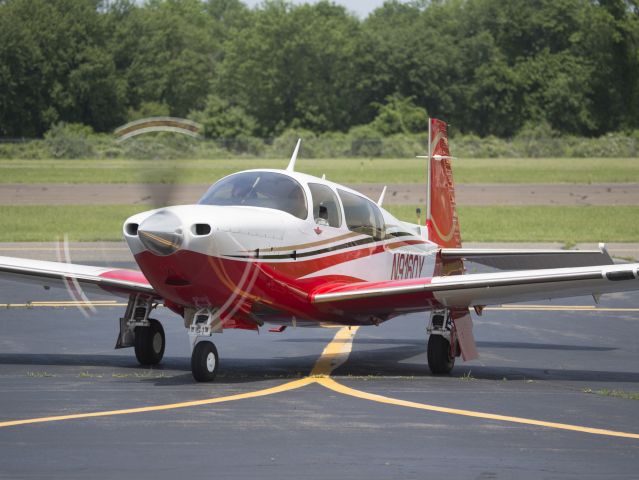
(362, 215)
(325, 205)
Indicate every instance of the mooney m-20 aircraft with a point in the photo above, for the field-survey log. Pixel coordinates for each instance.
(283, 248)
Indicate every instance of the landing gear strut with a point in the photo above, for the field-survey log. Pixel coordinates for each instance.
(145, 334)
(442, 343)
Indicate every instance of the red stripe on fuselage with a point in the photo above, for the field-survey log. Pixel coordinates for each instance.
(213, 281)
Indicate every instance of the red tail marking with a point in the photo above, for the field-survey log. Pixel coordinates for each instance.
(442, 222)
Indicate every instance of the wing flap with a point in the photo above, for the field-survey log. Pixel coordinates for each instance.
(530, 259)
(69, 276)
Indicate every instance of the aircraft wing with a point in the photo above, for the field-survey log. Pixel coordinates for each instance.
(76, 278)
(463, 291)
(529, 259)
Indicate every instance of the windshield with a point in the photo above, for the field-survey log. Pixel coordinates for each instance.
(259, 189)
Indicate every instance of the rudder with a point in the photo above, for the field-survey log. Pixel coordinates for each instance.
(442, 222)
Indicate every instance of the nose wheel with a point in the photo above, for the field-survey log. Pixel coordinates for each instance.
(204, 361)
(149, 343)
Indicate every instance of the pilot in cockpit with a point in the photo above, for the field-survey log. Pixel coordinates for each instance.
(322, 216)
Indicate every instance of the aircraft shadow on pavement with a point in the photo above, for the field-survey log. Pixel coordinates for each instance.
(231, 370)
(480, 345)
(394, 357)
(408, 359)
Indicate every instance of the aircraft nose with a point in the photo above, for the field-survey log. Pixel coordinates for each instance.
(162, 233)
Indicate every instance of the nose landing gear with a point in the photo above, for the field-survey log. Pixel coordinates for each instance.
(202, 324)
(204, 361)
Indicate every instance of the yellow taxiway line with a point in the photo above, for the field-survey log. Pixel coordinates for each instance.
(335, 354)
(331, 384)
(169, 406)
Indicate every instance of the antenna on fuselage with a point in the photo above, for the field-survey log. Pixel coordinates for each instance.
(291, 164)
(381, 197)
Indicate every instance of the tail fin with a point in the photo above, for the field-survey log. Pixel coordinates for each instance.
(441, 216)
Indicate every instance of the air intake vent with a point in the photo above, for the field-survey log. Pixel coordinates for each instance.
(131, 229)
(201, 229)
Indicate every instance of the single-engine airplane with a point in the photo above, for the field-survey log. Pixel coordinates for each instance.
(285, 248)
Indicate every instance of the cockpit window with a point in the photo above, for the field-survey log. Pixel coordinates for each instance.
(259, 189)
(362, 215)
(325, 205)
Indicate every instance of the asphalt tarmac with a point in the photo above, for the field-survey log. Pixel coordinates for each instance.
(545, 400)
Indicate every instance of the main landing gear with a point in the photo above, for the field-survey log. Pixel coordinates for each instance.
(145, 334)
(442, 343)
(149, 343)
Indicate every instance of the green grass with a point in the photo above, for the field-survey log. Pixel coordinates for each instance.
(345, 170)
(541, 223)
(614, 393)
(43, 223)
(40, 375)
(28, 223)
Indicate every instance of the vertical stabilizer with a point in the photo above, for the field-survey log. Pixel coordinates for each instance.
(441, 215)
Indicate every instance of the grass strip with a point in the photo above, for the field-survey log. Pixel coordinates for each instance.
(37, 223)
(344, 170)
(614, 393)
(565, 224)
(44, 223)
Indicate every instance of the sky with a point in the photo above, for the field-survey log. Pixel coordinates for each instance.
(360, 7)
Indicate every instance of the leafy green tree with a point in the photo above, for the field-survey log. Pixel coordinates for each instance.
(22, 89)
(148, 109)
(295, 66)
(165, 51)
(69, 140)
(488, 67)
(400, 115)
(221, 120)
(55, 66)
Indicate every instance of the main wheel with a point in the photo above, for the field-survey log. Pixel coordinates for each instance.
(204, 361)
(149, 343)
(440, 361)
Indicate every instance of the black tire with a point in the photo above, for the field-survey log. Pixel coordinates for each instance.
(149, 343)
(204, 362)
(440, 361)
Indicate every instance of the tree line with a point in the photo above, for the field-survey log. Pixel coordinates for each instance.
(488, 67)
